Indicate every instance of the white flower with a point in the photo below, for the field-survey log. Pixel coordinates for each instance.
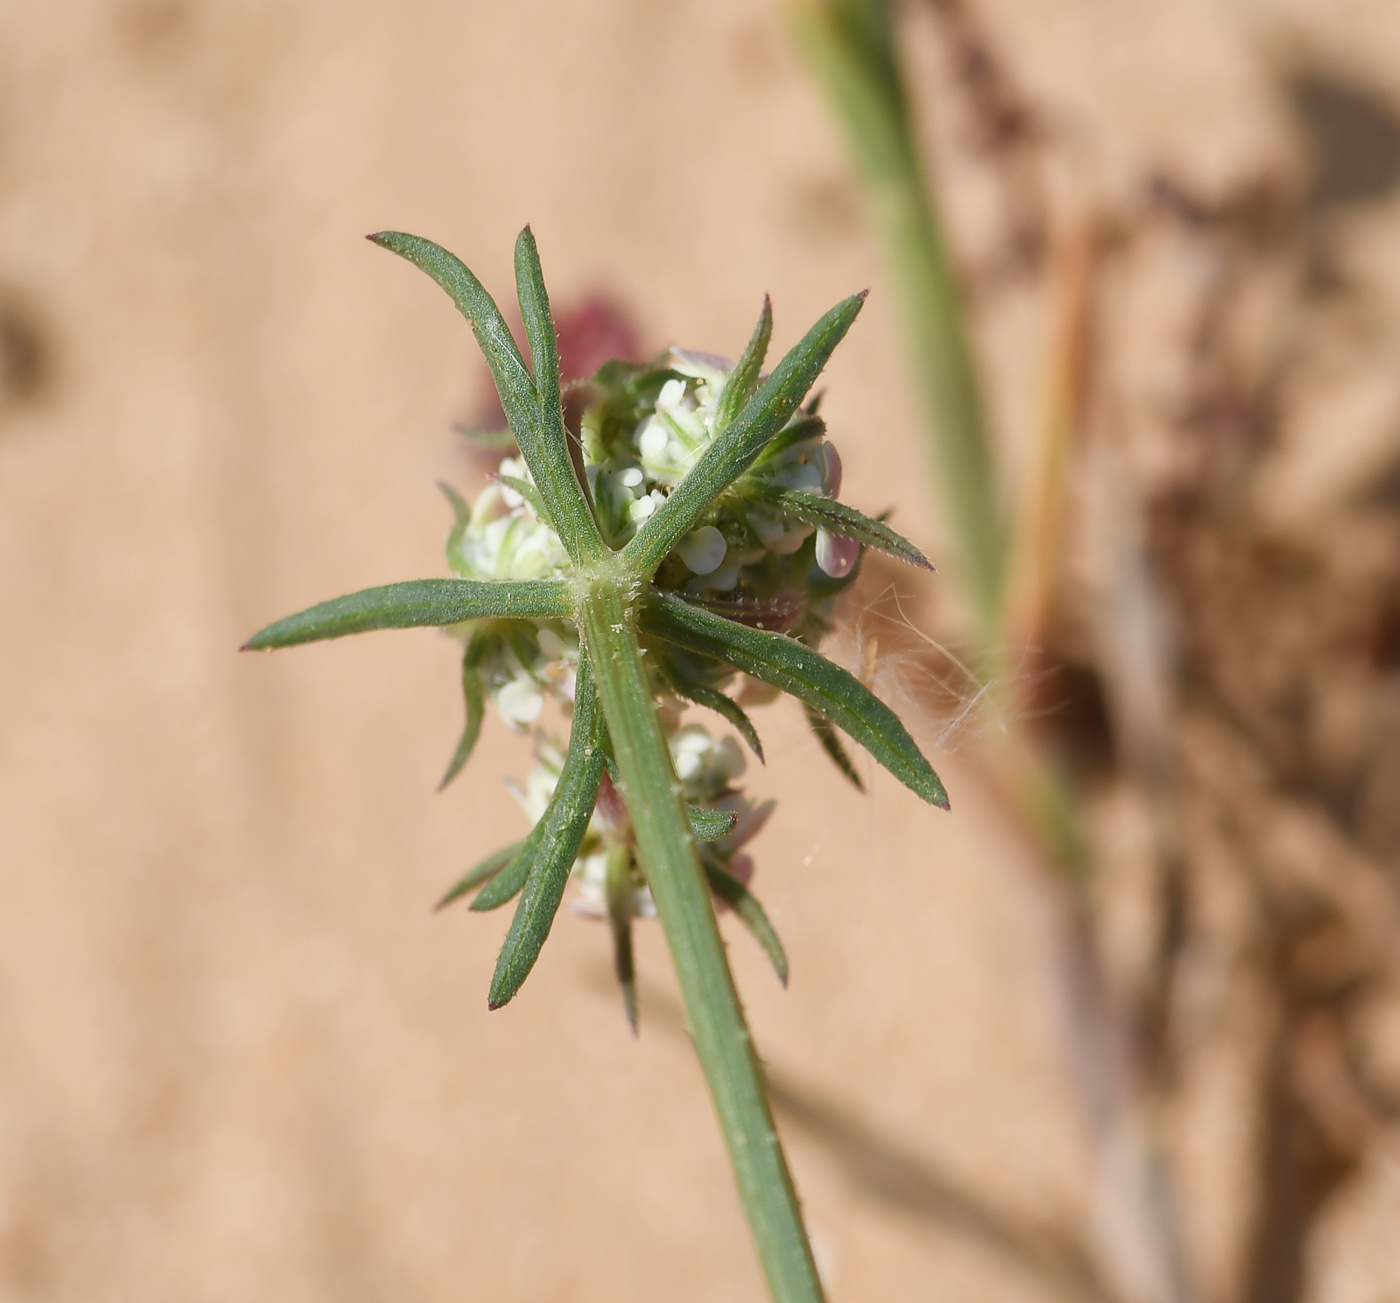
(704, 766)
(535, 796)
(516, 468)
(670, 440)
(591, 873)
(836, 554)
(703, 550)
(504, 539)
(640, 511)
(831, 469)
(724, 578)
(520, 701)
(778, 532)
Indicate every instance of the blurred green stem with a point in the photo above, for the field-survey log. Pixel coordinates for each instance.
(722, 1039)
(850, 46)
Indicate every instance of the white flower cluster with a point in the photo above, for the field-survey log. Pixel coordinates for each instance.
(630, 478)
(706, 768)
(638, 445)
(504, 538)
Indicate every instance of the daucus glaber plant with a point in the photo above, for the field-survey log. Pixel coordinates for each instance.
(686, 535)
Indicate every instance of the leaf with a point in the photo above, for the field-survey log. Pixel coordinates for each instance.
(513, 381)
(794, 432)
(808, 676)
(461, 518)
(721, 704)
(461, 508)
(474, 693)
(743, 380)
(551, 854)
(620, 922)
(831, 744)
(734, 451)
(529, 492)
(552, 465)
(539, 325)
(836, 518)
(710, 825)
(483, 872)
(415, 604)
(507, 884)
(541, 444)
(750, 913)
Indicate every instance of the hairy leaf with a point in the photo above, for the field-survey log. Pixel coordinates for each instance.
(461, 508)
(710, 825)
(508, 369)
(539, 326)
(733, 452)
(483, 872)
(807, 675)
(530, 493)
(743, 380)
(794, 432)
(507, 884)
(836, 518)
(722, 704)
(541, 445)
(620, 923)
(831, 744)
(416, 604)
(552, 854)
(474, 694)
(557, 476)
(750, 913)
(461, 519)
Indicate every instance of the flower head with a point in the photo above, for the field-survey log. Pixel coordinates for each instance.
(693, 531)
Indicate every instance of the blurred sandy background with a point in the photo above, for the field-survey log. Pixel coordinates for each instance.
(239, 1057)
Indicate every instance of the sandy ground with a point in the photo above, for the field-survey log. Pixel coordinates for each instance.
(239, 1057)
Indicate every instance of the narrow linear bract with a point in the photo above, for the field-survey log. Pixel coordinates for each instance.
(680, 543)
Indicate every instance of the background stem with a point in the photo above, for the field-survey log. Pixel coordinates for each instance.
(850, 46)
(717, 1025)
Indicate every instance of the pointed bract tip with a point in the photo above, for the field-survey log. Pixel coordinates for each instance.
(863, 295)
(376, 237)
(492, 1004)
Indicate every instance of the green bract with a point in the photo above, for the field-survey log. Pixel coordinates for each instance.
(687, 536)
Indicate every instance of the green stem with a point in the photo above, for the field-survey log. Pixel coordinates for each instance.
(850, 46)
(721, 1036)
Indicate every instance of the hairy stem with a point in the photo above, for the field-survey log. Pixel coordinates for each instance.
(717, 1025)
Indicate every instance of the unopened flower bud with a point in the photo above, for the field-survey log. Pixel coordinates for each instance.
(703, 549)
(836, 554)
